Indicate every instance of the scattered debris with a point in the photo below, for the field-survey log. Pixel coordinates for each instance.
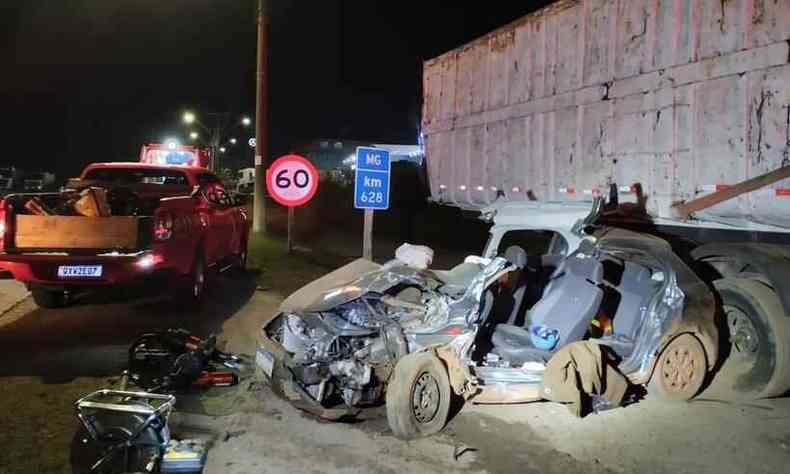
(579, 371)
(121, 431)
(415, 256)
(175, 359)
(162, 361)
(185, 456)
(461, 450)
(232, 434)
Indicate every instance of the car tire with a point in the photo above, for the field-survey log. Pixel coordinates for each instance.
(418, 396)
(241, 260)
(50, 299)
(681, 369)
(759, 333)
(195, 286)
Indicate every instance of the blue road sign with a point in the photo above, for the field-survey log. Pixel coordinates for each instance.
(372, 179)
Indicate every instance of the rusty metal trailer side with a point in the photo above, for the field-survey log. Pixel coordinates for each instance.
(679, 97)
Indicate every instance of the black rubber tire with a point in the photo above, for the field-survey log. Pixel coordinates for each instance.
(769, 374)
(681, 369)
(240, 266)
(401, 393)
(195, 287)
(50, 299)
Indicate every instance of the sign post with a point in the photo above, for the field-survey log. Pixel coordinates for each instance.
(371, 189)
(292, 181)
(290, 242)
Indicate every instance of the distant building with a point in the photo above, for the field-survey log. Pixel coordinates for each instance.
(246, 181)
(334, 154)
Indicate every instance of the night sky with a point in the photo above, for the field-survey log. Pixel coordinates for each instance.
(91, 80)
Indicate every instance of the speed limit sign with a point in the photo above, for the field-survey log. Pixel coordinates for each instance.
(292, 180)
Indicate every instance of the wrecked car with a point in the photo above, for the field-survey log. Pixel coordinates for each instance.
(486, 329)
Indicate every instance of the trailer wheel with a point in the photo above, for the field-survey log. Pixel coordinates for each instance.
(759, 335)
(50, 298)
(418, 396)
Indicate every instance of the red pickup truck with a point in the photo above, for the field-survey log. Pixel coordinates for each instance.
(175, 221)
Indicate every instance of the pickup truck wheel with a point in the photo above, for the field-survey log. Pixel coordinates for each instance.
(418, 396)
(195, 286)
(50, 298)
(241, 258)
(759, 336)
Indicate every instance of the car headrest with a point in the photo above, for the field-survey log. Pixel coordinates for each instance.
(516, 255)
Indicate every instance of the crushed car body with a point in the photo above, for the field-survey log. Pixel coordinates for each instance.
(345, 340)
(340, 347)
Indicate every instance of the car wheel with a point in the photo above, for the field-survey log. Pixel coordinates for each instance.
(681, 369)
(51, 298)
(241, 259)
(759, 332)
(418, 396)
(195, 286)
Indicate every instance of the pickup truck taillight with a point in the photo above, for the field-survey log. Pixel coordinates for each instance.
(163, 226)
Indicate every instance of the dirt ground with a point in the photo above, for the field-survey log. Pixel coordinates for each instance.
(50, 358)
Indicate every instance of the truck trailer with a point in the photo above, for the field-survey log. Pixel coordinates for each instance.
(676, 113)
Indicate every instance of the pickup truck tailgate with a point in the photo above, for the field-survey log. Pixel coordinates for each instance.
(76, 232)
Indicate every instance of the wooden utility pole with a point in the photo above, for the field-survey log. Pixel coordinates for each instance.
(261, 118)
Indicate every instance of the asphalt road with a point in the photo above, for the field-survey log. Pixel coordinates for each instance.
(51, 357)
(90, 339)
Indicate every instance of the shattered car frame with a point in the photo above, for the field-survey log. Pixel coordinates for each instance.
(336, 344)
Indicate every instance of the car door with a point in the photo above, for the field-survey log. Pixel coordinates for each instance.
(214, 216)
(224, 228)
(228, 219)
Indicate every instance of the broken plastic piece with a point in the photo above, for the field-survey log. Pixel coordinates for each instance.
(416, 256)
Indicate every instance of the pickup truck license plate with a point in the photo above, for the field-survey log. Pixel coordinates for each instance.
(265, 361)
(80, 271)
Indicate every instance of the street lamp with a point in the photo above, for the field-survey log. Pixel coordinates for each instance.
(213, 133)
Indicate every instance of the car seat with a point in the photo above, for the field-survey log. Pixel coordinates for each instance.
(636, 288)
(569, 302)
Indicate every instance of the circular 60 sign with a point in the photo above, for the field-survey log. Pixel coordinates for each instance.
(292, 180)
